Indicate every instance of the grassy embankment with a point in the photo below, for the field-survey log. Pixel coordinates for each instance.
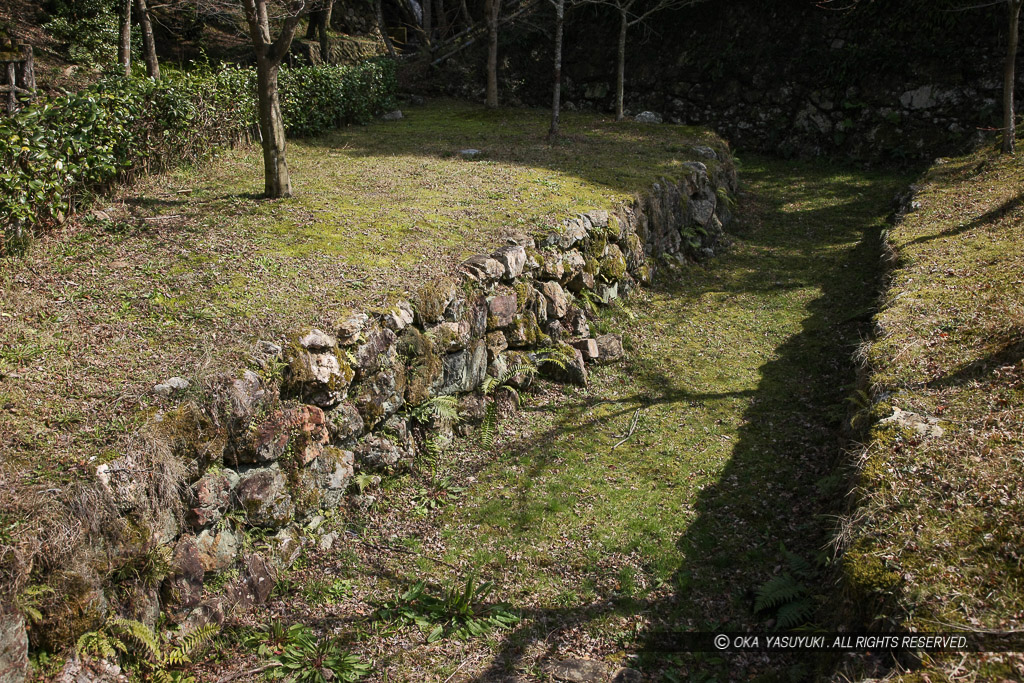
(937, 544)
(192, 268)
(737, 374)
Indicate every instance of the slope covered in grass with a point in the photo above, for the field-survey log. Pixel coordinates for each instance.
(188, 269)
(939, 540)
(735, 384)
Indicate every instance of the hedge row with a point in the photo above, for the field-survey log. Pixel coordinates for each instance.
(55, 155)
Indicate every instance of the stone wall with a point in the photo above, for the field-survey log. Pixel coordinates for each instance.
(282, 443)
(882, 82)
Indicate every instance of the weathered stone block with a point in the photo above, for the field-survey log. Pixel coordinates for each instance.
(263, 495)
(512, 259)
(557, 303)
(609, 347)
(501, 311)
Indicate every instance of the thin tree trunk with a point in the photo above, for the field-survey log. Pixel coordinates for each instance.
(493, 9)
(620, 71)
(556, 98)
(313, 25)
(325, 24)
(378, 8)
(148, 44)
(428, 21)
(1009, 76)
(276, 181)
(269, 54)
(124, 45)
(466, 16)
(442, 20)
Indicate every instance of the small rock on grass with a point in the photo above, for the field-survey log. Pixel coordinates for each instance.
(579, 670)
(395, 115)
(469, 153)
(170, 386)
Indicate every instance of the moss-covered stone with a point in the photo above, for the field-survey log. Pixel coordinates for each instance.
(613, 265)
(431, 300)
(423, 365)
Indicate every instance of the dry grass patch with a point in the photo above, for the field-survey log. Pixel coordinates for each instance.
(942, 528)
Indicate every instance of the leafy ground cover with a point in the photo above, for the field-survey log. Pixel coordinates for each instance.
(184, 271)
(939, 537)
(595, 545)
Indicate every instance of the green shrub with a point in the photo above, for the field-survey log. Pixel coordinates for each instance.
(55, 155)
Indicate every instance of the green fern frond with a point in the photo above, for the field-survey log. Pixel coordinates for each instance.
(797, 564)
(794, 614)
(190, 642)
(139, 634)
(778, 590)
(487, 427)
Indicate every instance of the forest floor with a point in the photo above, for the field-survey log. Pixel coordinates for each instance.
(658, 501)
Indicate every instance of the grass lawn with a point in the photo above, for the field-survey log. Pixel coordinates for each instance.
(192, 269)
(736, 380)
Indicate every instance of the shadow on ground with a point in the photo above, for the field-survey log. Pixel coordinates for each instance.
(777, 487)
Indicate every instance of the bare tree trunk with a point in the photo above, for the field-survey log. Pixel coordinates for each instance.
(269, 54)
(556, 98)
(620, 70)
(466, 16)
(325, 25)
(493, 9)
(378, 8)
(442, 20)
(428, 21)
(313, 25)
(1009, 76)
(124, 46)
(148, 44)
(276, 181)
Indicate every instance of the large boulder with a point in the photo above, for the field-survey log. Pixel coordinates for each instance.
(512, 259)
(557, 303)
(263, 495)
(501, 310)
(216, 548)
(299, 432)
(211, 496)
(13, 648)
(316, 372)
(462, 371)
(182, 589)
(482, 269)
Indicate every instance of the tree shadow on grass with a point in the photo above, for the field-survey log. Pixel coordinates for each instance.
(777, 488)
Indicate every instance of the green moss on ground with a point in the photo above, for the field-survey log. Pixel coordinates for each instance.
(737, 369)
(193, 267)
(944, 513)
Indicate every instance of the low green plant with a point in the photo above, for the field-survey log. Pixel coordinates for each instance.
(457, 612)
(492, 388)
(323, 592)
(29, 601)
(147, 655)
(785, 595)
(426, 499)
(297, 655)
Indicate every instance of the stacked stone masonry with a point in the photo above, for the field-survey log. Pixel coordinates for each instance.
(263, 455)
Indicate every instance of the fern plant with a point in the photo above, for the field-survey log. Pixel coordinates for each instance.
(491, 388)
(785, 595)
(138, 648)
(29, 601)
(443, 412)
